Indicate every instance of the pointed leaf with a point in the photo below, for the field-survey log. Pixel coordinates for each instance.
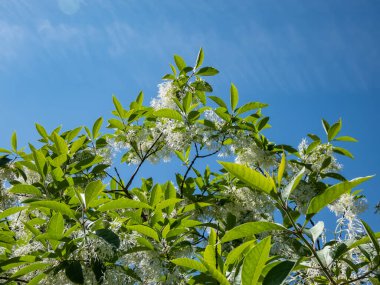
(317, 230)
(147, 231)
(234, 96)
(56, 206)
(109, 236)
(96, 127)
(249, 176)
(14, 141)
(92, 191)
(199, 58)
(372, 237)
(293, 184)
(207, 71)
(179, 61)
(331, 194)
(190, 263)
(278, 273)
(254, 262)
(334, 130)
(250, 106)
(250, 229)
(74, 272)
(123, 203)
(25, 189)
(237, 252)
(169, 114)
(281, 169)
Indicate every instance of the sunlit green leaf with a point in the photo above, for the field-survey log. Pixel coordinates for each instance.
(250, 229)
(249, 176)
(331, 194)
(254, 262)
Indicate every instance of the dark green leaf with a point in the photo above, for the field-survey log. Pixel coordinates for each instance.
(334, 130)
(109, 236)
(74, 272)
(342, 151)
(207, 71)
(278, 273)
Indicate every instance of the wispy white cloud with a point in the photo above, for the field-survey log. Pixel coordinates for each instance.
(12, 38)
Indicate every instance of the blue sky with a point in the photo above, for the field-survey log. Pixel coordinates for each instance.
(60, 62)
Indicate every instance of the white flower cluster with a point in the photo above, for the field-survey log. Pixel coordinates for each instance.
(347, 208)
(246, 204)
(318, 155)
(166, 93)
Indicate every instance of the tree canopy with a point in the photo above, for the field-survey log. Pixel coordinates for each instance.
(70, 214)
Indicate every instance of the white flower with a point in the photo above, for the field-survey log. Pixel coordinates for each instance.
(166, 93)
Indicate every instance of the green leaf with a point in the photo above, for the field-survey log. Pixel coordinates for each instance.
(250, 229)
(25, 189)
(207, 71)
(331, 194)
(209, 255)
(77, 144)
(292, 184)
(277, 274)
(281, 169)
(60, 144)
(251, 177)
(234, 96)
(169, 114)
(74, 272)
(199, 58)
(262, 124)
(119, 108)
(92, 191)
(250, 106)
(155, 195)
(186, 103)
(317, 230)
(30, 268)
(346, 139)
(37, 279)
(218, 101)
(334, 130)
(167, 203)
(216, 274)
(372, 237)
(96, 127)
(109, 236)
(147, 231)
(10, 211)
(342, 151)
(53, 205)
(40, 162)
(179, 61)
(56, 225)
(123, 203)
(14, 141)
(254, 262)
(41, 130)
(326, 126)
(190, 263)
(237, 252)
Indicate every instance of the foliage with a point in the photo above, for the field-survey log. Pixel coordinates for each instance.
(69, 216)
